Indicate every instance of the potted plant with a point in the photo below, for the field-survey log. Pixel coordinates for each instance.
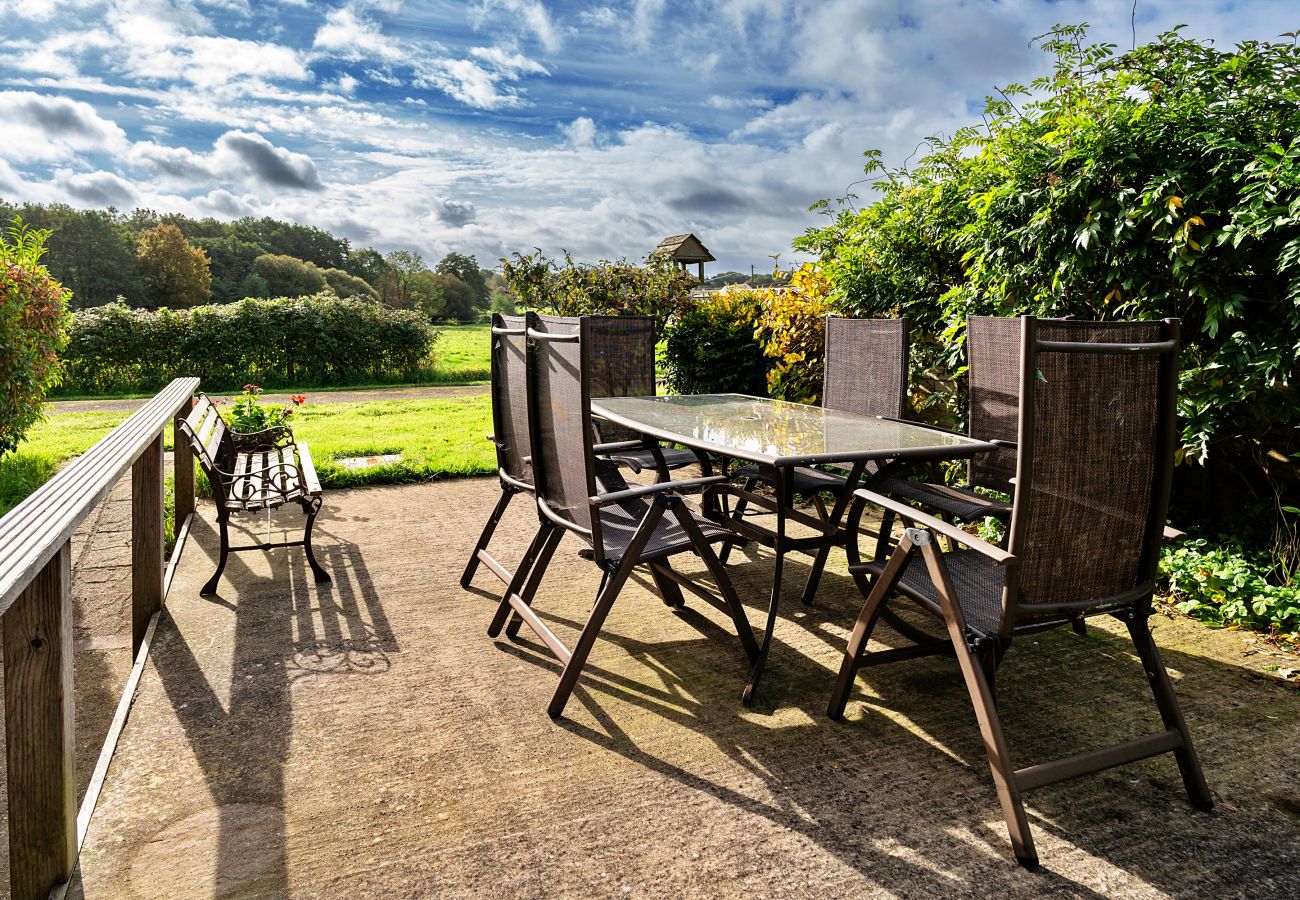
(255, 425)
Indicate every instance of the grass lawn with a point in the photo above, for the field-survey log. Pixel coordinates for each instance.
(436, 438)
(463, 353)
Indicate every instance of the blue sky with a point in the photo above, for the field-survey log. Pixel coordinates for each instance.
(487, 126)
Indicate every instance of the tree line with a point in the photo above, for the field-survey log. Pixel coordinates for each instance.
(150, 260)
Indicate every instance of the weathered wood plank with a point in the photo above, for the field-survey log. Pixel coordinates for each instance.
(182, 465)
(32, 532)
(39, 731)
(146, 539)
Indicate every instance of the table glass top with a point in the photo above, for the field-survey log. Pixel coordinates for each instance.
(777, 432)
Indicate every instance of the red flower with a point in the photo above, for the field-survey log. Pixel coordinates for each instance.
(298, 399)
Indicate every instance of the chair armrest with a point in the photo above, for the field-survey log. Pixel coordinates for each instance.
(275, 436)
(1004, 445)
(931, 523)
(658, 487)
(1173, 536)
(613, 446)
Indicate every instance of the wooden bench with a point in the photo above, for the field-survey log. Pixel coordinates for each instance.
(251, 473)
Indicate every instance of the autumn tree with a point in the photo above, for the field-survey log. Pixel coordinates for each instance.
(175, 273)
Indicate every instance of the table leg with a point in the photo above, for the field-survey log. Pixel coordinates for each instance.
(836, 516)
(784, 492)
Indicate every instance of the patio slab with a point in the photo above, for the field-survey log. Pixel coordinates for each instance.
(366, 739)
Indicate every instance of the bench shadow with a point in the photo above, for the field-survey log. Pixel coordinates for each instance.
(287, 628)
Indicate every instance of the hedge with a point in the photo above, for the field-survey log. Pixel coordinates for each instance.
(318, 340)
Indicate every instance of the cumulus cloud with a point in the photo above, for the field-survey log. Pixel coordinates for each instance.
(348, 34)
(456, 213)
(41, 127)
(238, 156)
(581, 132)
(97, 188)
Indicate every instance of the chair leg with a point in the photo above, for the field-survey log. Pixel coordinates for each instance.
(668, 589)
(1189, 764)
(489, 528)
(862, 628)
(720, 577)
(981, 695)
(536, 572)
(609, 592)
(737, 514)
(522, 572)
(211, 586)
(313, 509)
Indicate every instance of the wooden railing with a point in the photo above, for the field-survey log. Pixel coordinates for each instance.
(36, 611)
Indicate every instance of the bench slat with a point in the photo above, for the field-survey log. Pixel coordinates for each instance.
(308, 470)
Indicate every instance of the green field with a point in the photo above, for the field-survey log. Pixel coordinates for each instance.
(463, 353)
(436, 438)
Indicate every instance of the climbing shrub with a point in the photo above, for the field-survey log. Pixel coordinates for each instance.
(33, 331)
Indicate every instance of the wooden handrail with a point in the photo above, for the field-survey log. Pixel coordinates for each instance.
(36, 612)
(34, 530)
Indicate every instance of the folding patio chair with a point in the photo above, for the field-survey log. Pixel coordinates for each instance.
(993, 358)
(623, 365)
(1097, 435)
(865, 373)
(509, 434)
(642, 525)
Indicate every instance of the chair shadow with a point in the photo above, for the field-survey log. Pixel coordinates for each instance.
(918, 711)
(287, 628)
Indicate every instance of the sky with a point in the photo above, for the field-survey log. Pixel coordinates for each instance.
(494, 126)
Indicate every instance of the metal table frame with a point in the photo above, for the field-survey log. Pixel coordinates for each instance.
(818, 546)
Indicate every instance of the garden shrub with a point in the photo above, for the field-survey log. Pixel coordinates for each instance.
(710, 348)
(33, 331)
(1223, 585)
(319, 340)
(657, 288)
(792, 330)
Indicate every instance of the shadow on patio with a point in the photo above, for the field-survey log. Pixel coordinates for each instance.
(366, 738)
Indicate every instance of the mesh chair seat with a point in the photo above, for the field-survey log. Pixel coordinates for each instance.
(645, 459)
(975, 578)
(619, 523)
(962, 503)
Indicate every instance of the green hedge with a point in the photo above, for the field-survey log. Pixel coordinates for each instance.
(318, 340)
(710, 348)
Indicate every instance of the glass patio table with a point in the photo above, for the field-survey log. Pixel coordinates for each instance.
(780, 436)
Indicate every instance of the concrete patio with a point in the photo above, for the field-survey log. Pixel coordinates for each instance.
(365, 738)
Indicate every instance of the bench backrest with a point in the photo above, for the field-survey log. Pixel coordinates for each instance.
(206, 430)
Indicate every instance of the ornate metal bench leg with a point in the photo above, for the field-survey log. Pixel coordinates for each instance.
(211, 586)
(312, 507)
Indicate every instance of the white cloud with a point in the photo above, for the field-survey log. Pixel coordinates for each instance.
(480, 84)
(237, 157)
(532, 15)
(41, 127)
(96, 188)
(348, 35)
(581, 132)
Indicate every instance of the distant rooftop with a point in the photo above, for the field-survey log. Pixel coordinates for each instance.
(684, 248)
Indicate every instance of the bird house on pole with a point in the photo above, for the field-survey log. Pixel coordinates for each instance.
(685, 249)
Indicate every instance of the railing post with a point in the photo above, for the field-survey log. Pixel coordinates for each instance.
(38, 732)
(146, 539)
(182, 466)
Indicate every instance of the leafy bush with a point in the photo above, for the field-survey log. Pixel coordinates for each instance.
(1160, 182)
(659, 288)
(307, 340)
(33, 331)
(286, 276)
(1223, 585)
(710, 348)
(792, 329)
(345, 285)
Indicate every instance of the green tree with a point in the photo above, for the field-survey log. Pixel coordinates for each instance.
(91, 252)
(458, 298)
(1160, 182)
(288, 276)
(175, 274)
(345, 285)
(466, 269)
(33, 332)
(231, 259)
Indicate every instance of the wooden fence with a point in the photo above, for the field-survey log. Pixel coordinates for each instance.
(36, 618)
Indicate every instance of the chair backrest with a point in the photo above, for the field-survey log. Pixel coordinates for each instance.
(559, 421)
(1097, 438)
(510, 399)
(622, 357)
(866, 366)
(993, 366)
(206, 430)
